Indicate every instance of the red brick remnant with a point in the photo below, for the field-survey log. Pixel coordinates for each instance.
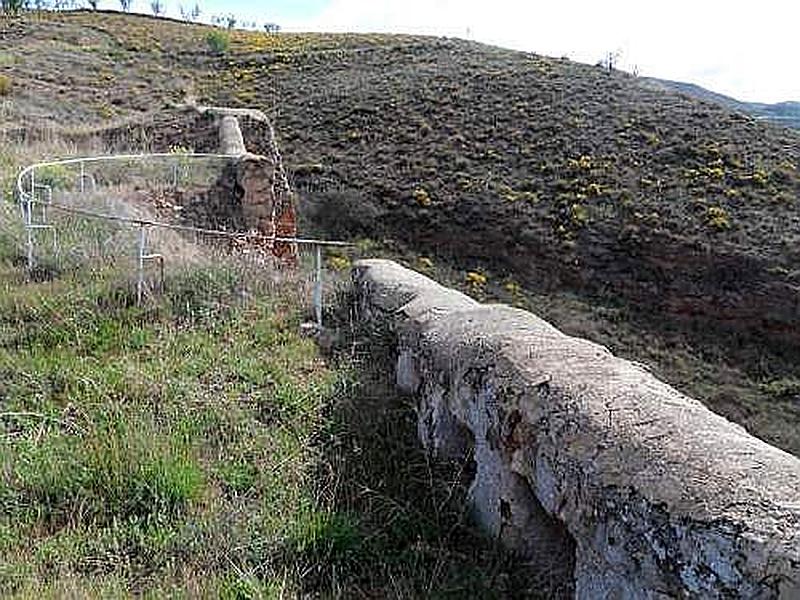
(261, 184)
(252, 193)
(267, 203)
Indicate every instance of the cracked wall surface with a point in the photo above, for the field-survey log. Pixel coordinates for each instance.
(625, 485)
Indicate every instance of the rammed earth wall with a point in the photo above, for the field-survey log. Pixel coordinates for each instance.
(585, 460)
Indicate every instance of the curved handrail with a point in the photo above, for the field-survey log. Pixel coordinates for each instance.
(108, 158)
(28, 200)
(188, 228)
(148, 222)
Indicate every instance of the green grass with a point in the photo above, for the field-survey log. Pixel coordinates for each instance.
(198, 446)
(163, 442)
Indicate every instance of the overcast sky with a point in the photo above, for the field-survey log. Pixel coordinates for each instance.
(749, 50)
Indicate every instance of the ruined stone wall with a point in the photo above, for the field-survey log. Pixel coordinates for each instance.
(252, 192)
(255, 183)
(625, 485)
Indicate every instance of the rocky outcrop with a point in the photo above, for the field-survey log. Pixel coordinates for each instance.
(625, 485)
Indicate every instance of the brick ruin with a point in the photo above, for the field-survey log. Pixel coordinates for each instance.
(252, 193)
(254, 187)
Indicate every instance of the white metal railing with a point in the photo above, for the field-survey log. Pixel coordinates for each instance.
(27, 188)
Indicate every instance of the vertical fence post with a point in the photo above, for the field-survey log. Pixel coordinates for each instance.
(29, 220)
(83, 175)
(140, 274)
(48, 190)
(318, 284)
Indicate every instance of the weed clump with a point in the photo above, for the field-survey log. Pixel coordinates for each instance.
(422, 197)
(424, 263)
(584, 163)
(513, 288)
(579, 215)
(123, 470)
(339, 263)
(54, 176)
(218, 42)
(717, 218)
(760, 177)
(475, 279)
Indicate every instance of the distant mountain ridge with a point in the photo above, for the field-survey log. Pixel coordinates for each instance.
(782, 113)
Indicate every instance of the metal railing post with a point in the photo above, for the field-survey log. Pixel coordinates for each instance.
(21, 196)
(48, 199)
(140, 275)
(29, 220)
(318, 284)
(32, 195)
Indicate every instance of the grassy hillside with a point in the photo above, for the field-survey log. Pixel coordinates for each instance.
(546, 167)
(662, 226)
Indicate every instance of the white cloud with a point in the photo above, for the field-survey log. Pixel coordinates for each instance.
(746, 50)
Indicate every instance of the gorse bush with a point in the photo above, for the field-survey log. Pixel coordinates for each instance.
(717, 218)
(218, 41)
